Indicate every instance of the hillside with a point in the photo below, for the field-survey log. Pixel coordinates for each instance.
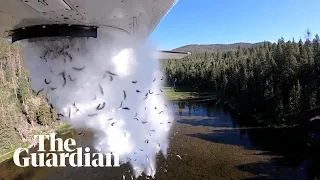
(215, 47)
(22, 112)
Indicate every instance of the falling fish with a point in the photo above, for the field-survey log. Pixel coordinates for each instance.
(78, 69)
(45, 81)
(134, 82)
(74, 104)
(113, 123)
(91, 115)
(126, 108)
(179, 156)
(99, 108)
(101, 90)
(120, 106)
(124, 95)
(70, 78)
(109, 72)
(64, 78)
(40, 91)
(137, 91)
(81, 133)
(69, 113)
(60, 115)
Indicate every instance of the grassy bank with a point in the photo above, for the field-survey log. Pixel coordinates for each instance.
(173, 94)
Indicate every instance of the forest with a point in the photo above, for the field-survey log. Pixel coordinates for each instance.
(276, 83)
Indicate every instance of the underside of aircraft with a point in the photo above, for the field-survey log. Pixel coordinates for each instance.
(26, 19)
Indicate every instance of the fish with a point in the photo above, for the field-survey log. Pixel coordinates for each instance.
(136, 115)
(69, 113)
(154, 80)
(146, 141)
(124, 95)
(91, 115)
(111, 73)
(70, 58)
(144, 122)
(45, 81)
(113, 123)
(40, 91)
(161, 90)
(138, 91)
(160, 112)
(64, 78)
(101, 89)
(150, 92)
(81, 133)
(111, 78)
(109, 119)
(153, 130)
(126, 108)
(179, 156)
(120, 105)
(134, 82)
(53, 88)
(155, 107)
(70, 78)
(60, 115)
(136, 119)
(99, 108)
(78, 69)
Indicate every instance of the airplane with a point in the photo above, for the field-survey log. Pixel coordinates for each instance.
(26, 19)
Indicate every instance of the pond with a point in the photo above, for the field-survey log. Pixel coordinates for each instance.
(214, 143)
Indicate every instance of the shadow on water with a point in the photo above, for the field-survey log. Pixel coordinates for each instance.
(288, 144)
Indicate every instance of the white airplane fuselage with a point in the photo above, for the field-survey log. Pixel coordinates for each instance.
(25, 19)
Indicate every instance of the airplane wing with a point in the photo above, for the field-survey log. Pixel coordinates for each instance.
(72, 17)
(172, 54)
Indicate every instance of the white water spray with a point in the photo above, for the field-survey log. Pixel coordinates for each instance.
(111, 85)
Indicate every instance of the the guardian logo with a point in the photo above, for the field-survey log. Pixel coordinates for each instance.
(57, 157)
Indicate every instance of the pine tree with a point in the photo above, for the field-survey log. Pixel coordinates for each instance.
(294, 102)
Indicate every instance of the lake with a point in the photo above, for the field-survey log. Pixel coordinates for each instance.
(214, 143)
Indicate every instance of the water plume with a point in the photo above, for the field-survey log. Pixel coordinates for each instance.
(111, 85)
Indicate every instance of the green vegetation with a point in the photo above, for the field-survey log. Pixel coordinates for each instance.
(172, 94)
(277, 83)
(22, 113)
